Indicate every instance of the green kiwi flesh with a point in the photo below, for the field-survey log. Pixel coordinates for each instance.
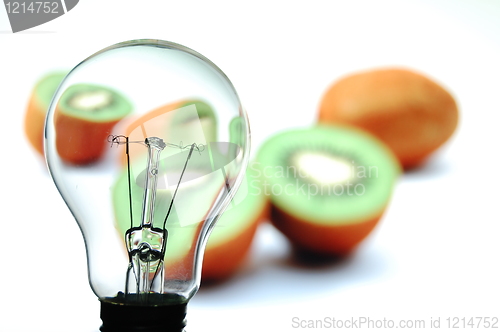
(328, 175)
(94, 103)
(46, 87)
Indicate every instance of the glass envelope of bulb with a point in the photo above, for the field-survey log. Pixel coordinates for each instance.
(147, 142)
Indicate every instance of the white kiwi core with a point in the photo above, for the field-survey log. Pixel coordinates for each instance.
(323, 168)
(91, 100)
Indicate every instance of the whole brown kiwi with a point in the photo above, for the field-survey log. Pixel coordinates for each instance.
(411, 113)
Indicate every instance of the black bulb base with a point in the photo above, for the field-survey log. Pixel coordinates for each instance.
(125, 317)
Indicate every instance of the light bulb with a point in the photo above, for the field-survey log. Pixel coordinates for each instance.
(147, 142)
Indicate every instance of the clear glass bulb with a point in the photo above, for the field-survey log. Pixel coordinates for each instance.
(147, 142)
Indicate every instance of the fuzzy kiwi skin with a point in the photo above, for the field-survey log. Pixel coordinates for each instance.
(34, 124)
(34, 120)
(223, 260)
(328, 240)
(224, 256)
(220, 261)
(88, 139)
(80, 139)
(409, 112)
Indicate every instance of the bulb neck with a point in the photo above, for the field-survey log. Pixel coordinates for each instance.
(119, 317)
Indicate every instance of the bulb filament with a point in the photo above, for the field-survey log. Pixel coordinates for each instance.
(146, 244)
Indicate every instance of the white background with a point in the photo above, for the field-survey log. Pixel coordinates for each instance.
(436, 251)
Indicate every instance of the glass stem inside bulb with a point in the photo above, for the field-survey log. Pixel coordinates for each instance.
(146, 244)
(155, 147)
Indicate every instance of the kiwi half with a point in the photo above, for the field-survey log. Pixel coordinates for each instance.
(84, 117)
(230, 239)
(232, 236)
(39, 102)
(196, 124)
(329, 185)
